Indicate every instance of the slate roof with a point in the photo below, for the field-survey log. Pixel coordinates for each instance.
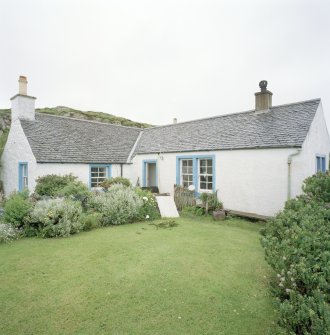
(57, 139)
(67, 140)
(280, 127)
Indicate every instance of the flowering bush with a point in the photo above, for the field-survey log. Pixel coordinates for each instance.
(297, 246)
(149, 210)
(56, 217)
(119, 205)
(8, 233)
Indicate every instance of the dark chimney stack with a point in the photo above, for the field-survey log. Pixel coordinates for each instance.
(264, 97)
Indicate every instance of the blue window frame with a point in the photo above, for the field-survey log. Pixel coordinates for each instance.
(98, 173)
(23, 176)
(320, 163)
(197, 170)
(149, 173)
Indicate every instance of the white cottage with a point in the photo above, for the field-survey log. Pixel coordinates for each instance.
(256, 159)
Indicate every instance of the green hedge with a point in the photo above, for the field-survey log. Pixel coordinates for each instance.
(297, 246)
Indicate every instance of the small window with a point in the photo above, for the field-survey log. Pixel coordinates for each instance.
(98, 174)
(205, 175)
(23, 180)
(186, 172)
(320, 164)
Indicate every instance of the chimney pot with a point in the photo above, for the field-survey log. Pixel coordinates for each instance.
(264, 97)
(175, 120)
(22, 87)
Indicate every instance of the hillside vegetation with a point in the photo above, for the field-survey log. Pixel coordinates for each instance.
(70, 112)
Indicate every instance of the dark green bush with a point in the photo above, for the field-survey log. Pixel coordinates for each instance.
(90, 221)
(106, 184)
(51, 184)
(17, 209)
(75, 190)
(297, 246)
(318, 186)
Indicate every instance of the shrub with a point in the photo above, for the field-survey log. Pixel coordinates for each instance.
(119, 205)
(51, 184)
(90, 221)
(149, 210)
(318, 186)
(17, 209)
(8, 233)
(210, 201)
(106, 184)
(75, 190)
(297, 246)
(56, 217)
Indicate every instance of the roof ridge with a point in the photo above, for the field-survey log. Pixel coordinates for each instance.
(229, 114)
(91, 121)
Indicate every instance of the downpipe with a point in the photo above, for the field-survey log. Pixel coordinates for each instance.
(289, 172)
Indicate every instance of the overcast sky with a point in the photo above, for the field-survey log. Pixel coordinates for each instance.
(151, 61)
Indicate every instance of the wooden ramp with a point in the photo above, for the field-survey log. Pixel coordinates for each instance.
(167, 206)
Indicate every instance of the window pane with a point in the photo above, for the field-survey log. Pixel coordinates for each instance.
(98, 174)
(209, 170)
(323, 164)
(318, 164)
(209, 186)
(202, 169)
(203, 186)
(202, 162)
(189, 169)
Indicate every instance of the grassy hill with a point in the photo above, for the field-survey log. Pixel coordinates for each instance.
(70, 112)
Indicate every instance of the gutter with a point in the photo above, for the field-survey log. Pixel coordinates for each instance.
(289, 172)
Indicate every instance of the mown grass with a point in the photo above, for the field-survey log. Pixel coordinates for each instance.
(199, 277)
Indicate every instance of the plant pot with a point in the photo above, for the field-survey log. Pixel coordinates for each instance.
(219, 215)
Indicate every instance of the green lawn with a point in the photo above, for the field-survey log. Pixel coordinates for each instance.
(200, 277)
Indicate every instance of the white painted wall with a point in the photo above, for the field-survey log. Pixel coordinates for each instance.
(22, 107)
(17, 149)
(252, 181)
(317, 142)
(79, 170)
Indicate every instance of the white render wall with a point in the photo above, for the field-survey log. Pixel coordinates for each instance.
(317, 142)
(17, 149)
(250, 180)
(79, 170)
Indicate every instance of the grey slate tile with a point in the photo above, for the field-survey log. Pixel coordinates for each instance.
(281, 126)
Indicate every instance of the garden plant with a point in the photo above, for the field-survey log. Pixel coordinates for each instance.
(297, 246)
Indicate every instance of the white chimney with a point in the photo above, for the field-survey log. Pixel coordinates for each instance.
(175, 120)
(22, 105)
